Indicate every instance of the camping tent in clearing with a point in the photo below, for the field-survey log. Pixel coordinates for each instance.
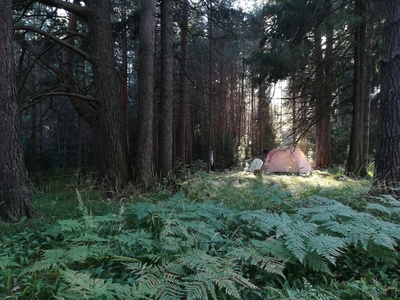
(286, 160)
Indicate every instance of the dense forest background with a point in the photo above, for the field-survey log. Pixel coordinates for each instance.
(286, 72)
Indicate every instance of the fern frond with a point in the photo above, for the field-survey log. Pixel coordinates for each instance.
(135, 242)
(94, 288)
(257, 259)
(336, 228)
(392, 230)
(51, 258)
(273, 247)
(198, 290)
(316, 263)
(70, 225)
(379, 208)
(170, 288)
(384, 240)
(89, 237)
(7, 262)
(359, 232)
(296, 245)
(329, 247)
(142, 210)
(262, 222)
(228, 286)
(198, 260)
(325, 210)
(78, 253)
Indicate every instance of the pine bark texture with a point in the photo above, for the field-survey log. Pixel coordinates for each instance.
(117, 168)
(183, 91)
(322, 107)
(167, 104)
(15, 199)
(356, 157)
(145, 153)
(387, 160)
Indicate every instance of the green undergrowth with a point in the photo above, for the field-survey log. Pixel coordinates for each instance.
(221, 236)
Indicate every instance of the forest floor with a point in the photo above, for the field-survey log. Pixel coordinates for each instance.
(222, 235)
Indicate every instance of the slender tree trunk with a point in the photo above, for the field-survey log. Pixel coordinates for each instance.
(145, 152)
(232, 104)
(356, 158)
(222, 100)
(183, 101)
(387, 160)
(368, 79)
(15, 198)
(261, 116)
(322, 109)
(166, 113)
(211, 153)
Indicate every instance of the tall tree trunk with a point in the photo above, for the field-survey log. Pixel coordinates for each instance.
(124, 75)
(167, 104)
(356, 158)
(368, 79)
(15, 199)
(211, 153)
(145, 153)
(387, 160)
(261, 116)
(109, 133)
(322, 109)
(232, 103)
(183, 91)
(107, 89)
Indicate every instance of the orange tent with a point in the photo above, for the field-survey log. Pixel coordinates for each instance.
(286, 160)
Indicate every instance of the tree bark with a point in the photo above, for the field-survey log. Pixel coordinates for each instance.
(166, 114)
(183, 91)
(15, 198)
(387, 160)
(145, 153)
(109, 133)
(356, 158)
(322, 108)
(108, 91)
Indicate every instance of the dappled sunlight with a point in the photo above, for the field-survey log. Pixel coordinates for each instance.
(324, 185)
(248, 191)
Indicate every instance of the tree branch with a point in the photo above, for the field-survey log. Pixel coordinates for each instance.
(34, 100)
(56, 39)
(68, 6)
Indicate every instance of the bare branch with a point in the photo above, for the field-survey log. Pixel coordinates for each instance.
(68, 6)
(56, 39)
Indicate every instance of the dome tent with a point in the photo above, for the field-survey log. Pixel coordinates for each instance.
(286, 160)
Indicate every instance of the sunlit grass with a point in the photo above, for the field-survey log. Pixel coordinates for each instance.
(234, 189)
(246, 191)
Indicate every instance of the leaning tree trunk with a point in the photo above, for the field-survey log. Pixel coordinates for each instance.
(15, 199)
(387, 160)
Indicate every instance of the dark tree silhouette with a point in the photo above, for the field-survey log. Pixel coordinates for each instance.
(387, 160)
(15, 199)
